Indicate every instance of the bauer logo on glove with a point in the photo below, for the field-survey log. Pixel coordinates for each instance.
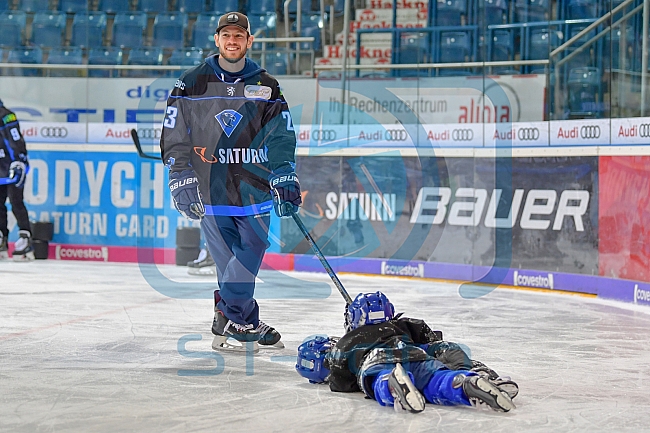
(285, 189)
(184, 187)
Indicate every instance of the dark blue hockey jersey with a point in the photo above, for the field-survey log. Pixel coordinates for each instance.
(12, 144)
(233, 130)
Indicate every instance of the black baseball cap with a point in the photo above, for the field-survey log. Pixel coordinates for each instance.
(234, 19)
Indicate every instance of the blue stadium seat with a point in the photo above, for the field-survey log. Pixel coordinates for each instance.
(276, 63)
(4, 5)
(73, 6)
(114, 6)
(583, 90)
(314, 32)
(413, 49)
(88, 29)
(152, 6)
(263, 6)
(186, 57)
(305, 7)
(203, 31)
(104, 56)
(612, 53)
(583, 58)
(27, 55)
(65, 56)
(542, 42)
(33, 6)
(263, 24)
(532, 10)
(48, 29)
(494, 10)
(191, 6)
(222, 6)
(580, 9)
(12, 28)
(128, 28)
(450, 12)
(169, 29)
(145, 56)
(454, 47)
(502, 46)
(502, 50)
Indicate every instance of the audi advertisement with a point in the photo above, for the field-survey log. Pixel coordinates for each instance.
(529, 213)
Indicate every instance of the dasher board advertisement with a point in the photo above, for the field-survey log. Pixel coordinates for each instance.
(529, 213)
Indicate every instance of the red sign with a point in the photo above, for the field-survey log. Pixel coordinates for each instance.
(624, 217)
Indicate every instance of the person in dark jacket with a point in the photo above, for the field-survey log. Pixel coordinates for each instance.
(400, 361)
(14, 166)
(229, 142)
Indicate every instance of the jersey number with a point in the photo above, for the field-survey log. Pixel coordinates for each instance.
(15, 134)
(170, 119)
(287, 116)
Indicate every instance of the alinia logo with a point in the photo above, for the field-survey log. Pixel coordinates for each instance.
(541, 280)
(641, 295)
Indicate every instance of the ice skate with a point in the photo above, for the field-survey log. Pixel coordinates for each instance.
(233, 337)
(404, 391)
(503, 383)
(481, 393)
(507, 385)
(269, 337)
(23, 250)
(4, 254)
(203, 265)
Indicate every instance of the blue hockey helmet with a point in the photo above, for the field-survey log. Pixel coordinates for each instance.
(311, 357)
(368, 309)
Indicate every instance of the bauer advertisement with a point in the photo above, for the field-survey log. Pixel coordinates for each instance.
(529, 213)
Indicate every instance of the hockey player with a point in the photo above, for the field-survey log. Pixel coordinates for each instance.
(400, 361)
(229, 143)
(14, 166)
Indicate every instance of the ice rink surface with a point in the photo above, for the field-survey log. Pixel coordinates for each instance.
(92, 347)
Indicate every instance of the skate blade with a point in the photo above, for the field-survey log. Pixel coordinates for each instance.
(24, 257)
(222, 343)
(204, 272)
(276, 346)
(502, 399)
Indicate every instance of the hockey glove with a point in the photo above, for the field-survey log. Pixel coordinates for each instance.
(285, 190)
(18, 171)
(184, 187)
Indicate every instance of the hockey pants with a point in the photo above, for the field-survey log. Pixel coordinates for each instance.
(17, 208)
(434, 382)
(237, 245)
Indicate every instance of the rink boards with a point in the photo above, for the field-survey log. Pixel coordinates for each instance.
(570, 219)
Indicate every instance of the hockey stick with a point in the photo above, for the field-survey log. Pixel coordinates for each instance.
(288, 207)
(8, 180)
(138, 147)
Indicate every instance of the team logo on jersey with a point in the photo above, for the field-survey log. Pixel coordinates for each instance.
(201, 152)
(263, 92)
(228, 119)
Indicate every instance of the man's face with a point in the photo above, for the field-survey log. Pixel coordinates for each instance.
(233, 42)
